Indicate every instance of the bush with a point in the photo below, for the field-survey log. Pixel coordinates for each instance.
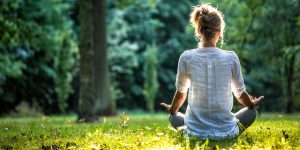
(37, 54)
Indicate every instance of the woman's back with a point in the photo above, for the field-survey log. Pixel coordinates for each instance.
(211, 75)
(210, 72)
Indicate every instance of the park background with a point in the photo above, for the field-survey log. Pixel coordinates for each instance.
(66, 63)
(40, 54)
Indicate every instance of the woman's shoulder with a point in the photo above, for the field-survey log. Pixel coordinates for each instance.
(188, 51)
(230, 56)
(230, 53)
(187, 54)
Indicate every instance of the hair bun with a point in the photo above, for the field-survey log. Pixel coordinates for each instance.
(207, 20)
(201, 16)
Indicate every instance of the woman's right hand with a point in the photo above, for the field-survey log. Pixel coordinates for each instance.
(248, 100)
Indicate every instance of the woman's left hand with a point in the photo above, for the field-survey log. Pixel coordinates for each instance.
(165, 106)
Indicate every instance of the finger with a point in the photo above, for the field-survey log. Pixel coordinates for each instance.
(260, 98)
(257, 100)
(164, 105)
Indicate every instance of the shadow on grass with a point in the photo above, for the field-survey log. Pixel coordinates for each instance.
(214, 144)
(197, 143)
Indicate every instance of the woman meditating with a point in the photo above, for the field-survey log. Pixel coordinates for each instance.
(211, 75)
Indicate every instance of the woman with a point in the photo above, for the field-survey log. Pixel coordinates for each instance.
(211, 75)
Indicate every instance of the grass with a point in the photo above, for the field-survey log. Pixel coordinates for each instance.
(141, 131)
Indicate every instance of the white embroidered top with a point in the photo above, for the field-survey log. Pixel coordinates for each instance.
(211, 75)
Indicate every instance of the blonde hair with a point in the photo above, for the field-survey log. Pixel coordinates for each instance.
(207, 20)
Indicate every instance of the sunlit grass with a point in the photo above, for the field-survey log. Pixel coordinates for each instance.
(142, 131)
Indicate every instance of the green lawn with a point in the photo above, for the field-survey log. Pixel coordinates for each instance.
(142, 131)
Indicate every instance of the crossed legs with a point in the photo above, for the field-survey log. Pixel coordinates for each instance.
(246, 117)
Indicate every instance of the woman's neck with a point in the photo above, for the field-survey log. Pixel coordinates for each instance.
(209, 44)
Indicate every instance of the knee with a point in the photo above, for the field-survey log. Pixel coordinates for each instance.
(252, 112)
(176, 120)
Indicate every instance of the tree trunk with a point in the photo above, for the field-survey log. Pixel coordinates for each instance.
(290, 77)
(95, 97)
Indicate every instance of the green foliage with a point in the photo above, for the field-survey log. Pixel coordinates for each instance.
(64, 68)
(127, 39)
(121, 53)
(270, 47)
(150, 76)
(161, 23)
(37, 51)
(39, 54)
(144, 131)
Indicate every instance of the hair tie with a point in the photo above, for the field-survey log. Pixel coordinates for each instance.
(204, 27)
(203, 16)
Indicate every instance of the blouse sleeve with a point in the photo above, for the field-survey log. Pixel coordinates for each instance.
(182, 80)
(237, 82)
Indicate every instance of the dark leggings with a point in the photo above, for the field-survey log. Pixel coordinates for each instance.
(246, 117)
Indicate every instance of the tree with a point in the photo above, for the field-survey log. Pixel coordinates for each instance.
(269, 56)
(150, 76)
(38, 52)
(281, 47)
(95, 97)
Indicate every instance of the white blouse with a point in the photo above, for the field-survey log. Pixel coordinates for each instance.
(211, 75)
